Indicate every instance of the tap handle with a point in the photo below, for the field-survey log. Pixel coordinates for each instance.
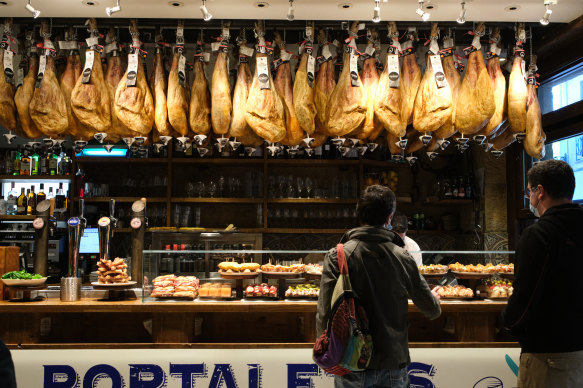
(111, 207)
(81, 207)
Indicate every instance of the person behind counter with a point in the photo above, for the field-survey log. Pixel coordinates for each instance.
(546, 310)
(400, 226)
(7, 374)
(380, 269)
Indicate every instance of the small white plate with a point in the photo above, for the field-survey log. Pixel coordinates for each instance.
(24, 282)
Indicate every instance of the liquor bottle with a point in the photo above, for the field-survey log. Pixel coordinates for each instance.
(447, 192)
(12, 201)
(80, 182)
(469, 187)
(60, 199)
(16, 162)
(53, 163)
(66, 165)
(31, 203)
(25, 163)
(50, 195)
(41, 196)
(21, 204)
(455, 189)
(44, 163)
(34, 163)
(462, 189)
(9, 163)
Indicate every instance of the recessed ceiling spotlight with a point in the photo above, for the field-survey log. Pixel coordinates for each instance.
(175, 4)
(345, 5)
(512, 8)
(262, 4)
(431, 6)
(90, 3)
(3, 3)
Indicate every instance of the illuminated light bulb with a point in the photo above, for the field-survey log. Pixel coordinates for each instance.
(424, 15)
(545, 19)
(376, 12)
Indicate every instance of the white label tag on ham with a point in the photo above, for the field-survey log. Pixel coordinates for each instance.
(393, 69)
(132, 73)
(181, 70)
(361, 26)
(354, 70)
(68, 45)
(248, 51)
(309, 33)
(311, 70)
(369, 50)
(286, 56)
(93, 41)
(48, 44)
(9, 66)
(215, 46)
(19, 77)
(89, 57)
(226, 34)
(406, 44)
(447, 43)
(476, 42)
(111, 47)
(263, 73)
(206, 57)
(180, 35)
(326, 53)
(42, 66)
(438, 71)
(434, 46)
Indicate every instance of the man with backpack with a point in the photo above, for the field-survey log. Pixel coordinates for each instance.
(382, 276)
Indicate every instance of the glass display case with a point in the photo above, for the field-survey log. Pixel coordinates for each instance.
(255, 274)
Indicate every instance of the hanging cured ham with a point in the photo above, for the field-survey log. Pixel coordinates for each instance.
(503, 138)
(177, 87)
(69, 78)
(113, 76)
(158, 87)
(48, 108)
(387, 101)
(265, 112)
(433, 104)
(239, 127)
(475, 104)
(499, 85)
(199, 109)
(23, 96)
(410, 80)
(134, 105)
(325, 84)
(303, 90)
(7, 107)
(534, 142)
(452, 75)
(346, 110)
(283, 85)
(221, 104)
(90, 98)
(517, 91)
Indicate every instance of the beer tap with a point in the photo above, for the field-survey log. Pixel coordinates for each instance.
(71, 285)
(106, 228)
(138, 224)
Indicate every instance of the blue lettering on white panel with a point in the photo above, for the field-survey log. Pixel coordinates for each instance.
(60, 376)
(223, 373)
(188, 373)
(418, 368)
(100, 372)
(300, 375)
(147, 376)
(254, 375)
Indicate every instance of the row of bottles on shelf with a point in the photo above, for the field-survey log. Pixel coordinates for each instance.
(25, 203)
(35, 161)
(456, 188)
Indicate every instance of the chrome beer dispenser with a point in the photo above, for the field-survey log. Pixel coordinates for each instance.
(138, 225)
(71, 285)
(106, 227)
(44, 224)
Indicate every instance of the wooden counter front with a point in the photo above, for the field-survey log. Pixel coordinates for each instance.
(243, 323)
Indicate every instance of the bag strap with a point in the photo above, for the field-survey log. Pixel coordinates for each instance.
(342, 263)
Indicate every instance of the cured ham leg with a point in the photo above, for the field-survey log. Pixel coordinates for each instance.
(303, 93)
(265, 112)
(323, 88)
(387, 101)
(22, 99)
(68, 81)
(534, 142)
(221, 103)
(283, 85)
(410, 80)
(346, 110)
(517, 91)
(177, 100)
(452, 74)
(7, 106)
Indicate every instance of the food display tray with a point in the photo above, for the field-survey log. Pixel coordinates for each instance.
(238, 275)
(283, 275)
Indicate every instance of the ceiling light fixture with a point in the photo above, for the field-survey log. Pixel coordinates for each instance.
(545, 19)
(111, 10)
(290, 11)
(424, 15)
(462, 18)
(32, 10)
(376, 17)
(206, 15)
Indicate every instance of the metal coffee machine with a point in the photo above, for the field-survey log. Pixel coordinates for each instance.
(106, 227)
(71, 285)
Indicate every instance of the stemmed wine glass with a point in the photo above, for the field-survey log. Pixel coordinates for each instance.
(309, 186)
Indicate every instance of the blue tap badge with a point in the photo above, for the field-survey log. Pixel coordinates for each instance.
(73, 221)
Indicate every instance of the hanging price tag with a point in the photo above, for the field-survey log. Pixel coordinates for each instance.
(93, 41)
(180, 35)
(42, 66)
(132, 70)
(433, 46)
(354, 70)
(326, 53)
(89, 57)
(286, 56)
(206, 57)
(248, 51)
(68, 45)
(9, 66)
(19, 77)
(448, 42)
(263, 73)
(438, 71)
(393, 69)
(181, 71)
(369, 51)
(476, 42)
(311, 70)
(215, 46)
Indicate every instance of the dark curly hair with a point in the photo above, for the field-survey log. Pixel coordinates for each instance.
(375, 205)
(555, 176)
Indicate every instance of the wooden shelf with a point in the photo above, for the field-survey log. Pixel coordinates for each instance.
(16, 178)
(438, 203)
(17, 217)
(88, 159)
(305, 231)
(384, 163)
(216, 200)
(223, 161)
(121, 199)
(312, 200)
(314, 162)
(432, 232)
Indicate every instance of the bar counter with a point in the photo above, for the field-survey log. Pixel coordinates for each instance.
(92, 323)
